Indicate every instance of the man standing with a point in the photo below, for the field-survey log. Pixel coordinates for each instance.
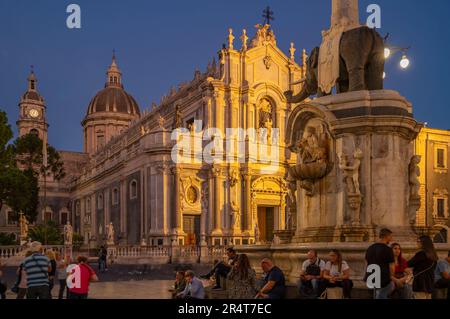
(310, 284)
(382, 255)
(274, 281)
(221, 269)
(442, 275)
(37, 266)
(194, 287)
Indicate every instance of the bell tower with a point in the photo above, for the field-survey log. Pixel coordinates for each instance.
(32, 118)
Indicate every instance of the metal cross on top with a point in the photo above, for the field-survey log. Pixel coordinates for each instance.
(268, 15)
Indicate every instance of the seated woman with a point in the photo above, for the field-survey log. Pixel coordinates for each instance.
(179, 285)
(337, 273)
(402, 276)
(242, 280)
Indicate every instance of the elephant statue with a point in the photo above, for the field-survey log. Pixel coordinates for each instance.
(361, 65)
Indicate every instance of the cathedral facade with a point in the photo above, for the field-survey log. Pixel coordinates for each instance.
(134, 174)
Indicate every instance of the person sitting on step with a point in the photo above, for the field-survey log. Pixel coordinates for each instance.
(310, 284)
(221, 269)
(337, 273)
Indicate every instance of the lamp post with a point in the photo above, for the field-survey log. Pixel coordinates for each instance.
(390, 51)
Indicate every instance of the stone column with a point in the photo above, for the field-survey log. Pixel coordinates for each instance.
(177, 215)
(123, 205)
(248, 202)
(217, 216)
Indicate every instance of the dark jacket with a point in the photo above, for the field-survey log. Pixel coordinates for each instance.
(423, 272)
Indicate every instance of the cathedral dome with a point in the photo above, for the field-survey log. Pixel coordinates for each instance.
(113, 98)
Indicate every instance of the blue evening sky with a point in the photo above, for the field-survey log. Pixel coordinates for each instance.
(161, 43)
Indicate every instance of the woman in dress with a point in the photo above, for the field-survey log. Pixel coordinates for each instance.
(242, 280)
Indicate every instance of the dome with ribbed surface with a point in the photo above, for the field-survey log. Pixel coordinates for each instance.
(113, 98)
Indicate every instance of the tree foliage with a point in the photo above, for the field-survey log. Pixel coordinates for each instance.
(7, 239)
(47, 234)
(19, 186)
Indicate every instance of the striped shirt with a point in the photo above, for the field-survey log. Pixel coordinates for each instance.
(36, 267)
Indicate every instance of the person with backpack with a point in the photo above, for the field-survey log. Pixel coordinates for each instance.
(311, 277)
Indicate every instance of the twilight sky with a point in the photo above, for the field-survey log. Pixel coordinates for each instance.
(161, 43)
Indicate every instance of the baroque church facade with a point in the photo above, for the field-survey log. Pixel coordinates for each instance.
(127, 174)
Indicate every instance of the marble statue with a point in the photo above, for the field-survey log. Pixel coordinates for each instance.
(23, 226)
(351, 172)
(235, 215)
(68, 234)
(110, 234)
(414, 174)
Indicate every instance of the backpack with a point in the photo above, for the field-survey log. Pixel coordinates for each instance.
(314, 269)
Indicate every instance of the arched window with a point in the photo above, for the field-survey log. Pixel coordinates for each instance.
(34, 132)
(63, 217)
(133, 189)
(100, 201)
(115, 196)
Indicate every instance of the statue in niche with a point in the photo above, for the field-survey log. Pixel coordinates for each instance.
(314, 158)
(235, 215)
(233, 178)
(414, 174)
(265, 114)
(351, 172)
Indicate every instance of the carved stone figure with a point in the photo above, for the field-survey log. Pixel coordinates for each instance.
(110, 234)
(265, 113)
(351, 172)
(257, 235)
(233, 178)
(23, 226)
(68, 234)
(177, 123)
(235, 215)
(314, 162)
(291, 185)
(414, 174)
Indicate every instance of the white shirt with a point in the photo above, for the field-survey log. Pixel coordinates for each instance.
(334, 269)
(307, 262)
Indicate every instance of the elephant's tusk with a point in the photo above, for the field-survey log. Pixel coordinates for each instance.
(299, 82)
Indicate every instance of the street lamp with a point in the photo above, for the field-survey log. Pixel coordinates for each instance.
(392, 50)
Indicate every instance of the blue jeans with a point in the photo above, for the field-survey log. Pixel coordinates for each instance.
(385, 292)
(315, 284)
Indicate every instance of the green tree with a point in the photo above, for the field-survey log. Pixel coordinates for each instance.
(29, 151)
(7, 239)
(47, 234)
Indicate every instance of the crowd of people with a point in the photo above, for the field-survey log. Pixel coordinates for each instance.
(38, 272)
(416, 278)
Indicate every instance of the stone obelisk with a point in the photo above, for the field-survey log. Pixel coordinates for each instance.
(345, 9)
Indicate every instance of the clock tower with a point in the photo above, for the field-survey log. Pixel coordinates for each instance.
(32, 111)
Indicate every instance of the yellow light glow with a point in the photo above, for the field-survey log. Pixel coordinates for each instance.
(387, 53)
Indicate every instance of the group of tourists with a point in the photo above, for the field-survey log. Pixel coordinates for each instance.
(37, 274)
(399, 278)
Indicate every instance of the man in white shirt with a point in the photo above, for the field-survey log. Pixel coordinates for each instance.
(311, 276)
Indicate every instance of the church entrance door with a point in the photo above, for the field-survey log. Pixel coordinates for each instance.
(191, 227)
(266, 223)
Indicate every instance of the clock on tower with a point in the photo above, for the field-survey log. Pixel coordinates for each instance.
(32, 111)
